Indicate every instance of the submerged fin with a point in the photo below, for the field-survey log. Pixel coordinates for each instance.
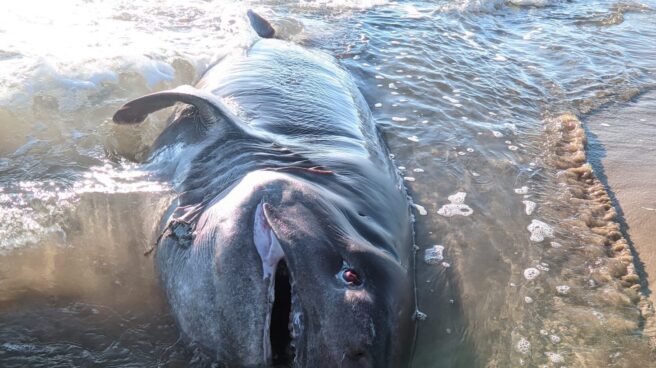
(260, 25)
(209, 107)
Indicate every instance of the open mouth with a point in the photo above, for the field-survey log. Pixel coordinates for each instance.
(281, 328)
(283, 321)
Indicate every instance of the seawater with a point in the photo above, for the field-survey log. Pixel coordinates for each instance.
(479, 102)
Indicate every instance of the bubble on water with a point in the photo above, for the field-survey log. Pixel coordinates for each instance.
(470, 150)
(554, 357)
(513, 148)
(556, 244)
(434, 255)
(413, 138)
(408, 178)
(522, 190)
(418, 170)
(475, 174)
(392, 86)
(554, 339)
(528, 300)
(422, 211)
(461, 153)
(563, 289)
(397, 118)
(378, 104)
(497, 134)
(401, 167)
(531, 273)
(523, 346)
(446, 264)
(529, 207)
(540, 230)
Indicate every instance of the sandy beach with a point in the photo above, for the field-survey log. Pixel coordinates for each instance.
(622, 150)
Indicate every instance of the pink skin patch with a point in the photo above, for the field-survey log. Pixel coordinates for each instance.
(266, 243)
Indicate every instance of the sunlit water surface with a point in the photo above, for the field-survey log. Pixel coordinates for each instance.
(463, 92)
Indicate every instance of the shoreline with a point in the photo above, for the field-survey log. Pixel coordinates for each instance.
(622, 151)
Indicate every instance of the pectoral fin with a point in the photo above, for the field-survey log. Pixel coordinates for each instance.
(210, 108)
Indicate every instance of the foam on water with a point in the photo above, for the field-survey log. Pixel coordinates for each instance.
(457, 207)
(540, 230)
(529, 207)
(82, 47)
(434, 255)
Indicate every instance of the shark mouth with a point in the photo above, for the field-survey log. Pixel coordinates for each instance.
(283, 323)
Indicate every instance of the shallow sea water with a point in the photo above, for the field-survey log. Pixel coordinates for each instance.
(525, 264)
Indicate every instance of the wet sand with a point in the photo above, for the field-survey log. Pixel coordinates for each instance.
(622, 150)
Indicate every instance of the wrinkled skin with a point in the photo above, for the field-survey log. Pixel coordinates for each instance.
(308, 183)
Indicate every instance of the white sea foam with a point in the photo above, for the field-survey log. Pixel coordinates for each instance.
(529, 207)
(522, 190)
(554, 357)
(523, 346)
(342, 4)
(531, 273)
(540, 230)
(456, 207)
(434, 255)
(422, 211)
(563, 289)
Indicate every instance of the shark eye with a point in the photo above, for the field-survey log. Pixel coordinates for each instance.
(351, 277)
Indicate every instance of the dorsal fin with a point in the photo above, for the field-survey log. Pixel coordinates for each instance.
(209, 107)
(261, 26)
